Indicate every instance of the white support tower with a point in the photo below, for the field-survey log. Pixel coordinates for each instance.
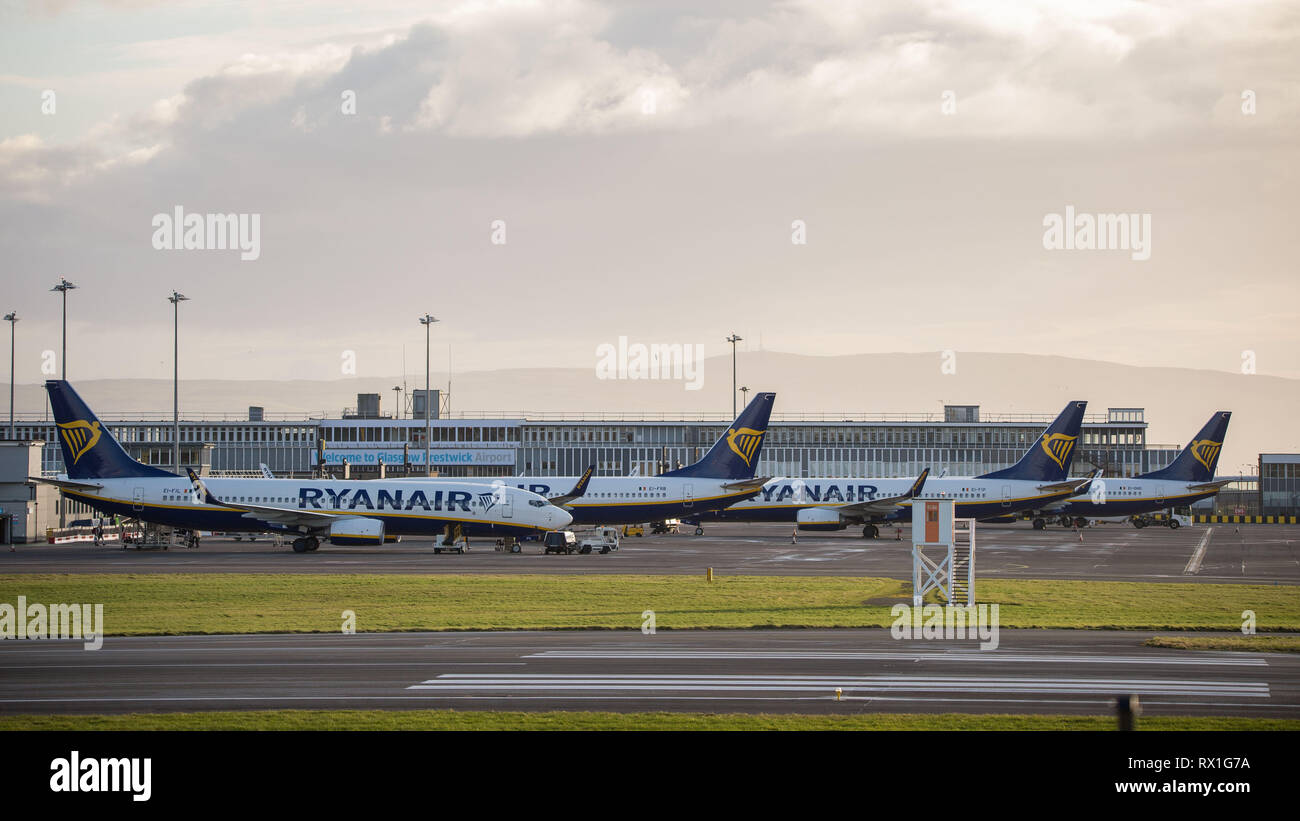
(950, 567)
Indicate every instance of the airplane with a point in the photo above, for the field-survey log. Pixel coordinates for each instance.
(101, 474)
(723, 476)
(1041, 477)
(1188, 478)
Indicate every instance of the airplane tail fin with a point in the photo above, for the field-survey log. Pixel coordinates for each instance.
(735, 454)
(89, 449)
(1197, 461)
(1048, 460)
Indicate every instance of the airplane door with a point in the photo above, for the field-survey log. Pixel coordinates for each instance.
(137, 499)
(508, 507)
(688, 496)
(1006, 495)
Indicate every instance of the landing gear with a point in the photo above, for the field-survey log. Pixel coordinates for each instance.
(305, 544)
(1040, 523)
(870, 531)
(1065, 521)
(699, 531)
(1079, 521)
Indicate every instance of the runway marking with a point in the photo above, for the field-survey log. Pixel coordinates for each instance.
(751, 683)
(130, 666)
(1242, 660)
(1198, 555)
(956, 699)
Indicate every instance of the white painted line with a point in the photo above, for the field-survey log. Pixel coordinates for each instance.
(1198, 555)
(991, 657)
(483, 682)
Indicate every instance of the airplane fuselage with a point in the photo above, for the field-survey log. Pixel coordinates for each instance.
(405, 507)
(781, 500)
(616, 500)
(1130, 497)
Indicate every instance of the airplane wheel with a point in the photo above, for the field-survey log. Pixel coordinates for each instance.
(1079, 521)
(1039, 524)
(699, 531)
(300, 546)
(312, 543)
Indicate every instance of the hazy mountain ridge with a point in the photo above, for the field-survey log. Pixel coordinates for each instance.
(1177, 400)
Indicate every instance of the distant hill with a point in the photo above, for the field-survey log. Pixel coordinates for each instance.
(1177, 400)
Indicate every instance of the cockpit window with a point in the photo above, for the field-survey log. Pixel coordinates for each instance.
(537, 503)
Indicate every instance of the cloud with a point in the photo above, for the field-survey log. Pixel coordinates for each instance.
(649, 160)
(1033, 70)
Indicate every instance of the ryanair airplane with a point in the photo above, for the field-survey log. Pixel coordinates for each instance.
(101, 474)
(1188, 478)
(724, 476)
(1040, 478)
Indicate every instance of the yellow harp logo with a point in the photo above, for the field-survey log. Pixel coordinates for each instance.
(1205, 452)
(744, 442)
(1058, 447)
(80, 436)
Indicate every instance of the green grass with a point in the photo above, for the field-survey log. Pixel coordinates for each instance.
(454, 720)
(1258, 644)
(261, 603)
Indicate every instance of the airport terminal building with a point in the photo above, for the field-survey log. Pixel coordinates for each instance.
(363, 443)
(960, 442)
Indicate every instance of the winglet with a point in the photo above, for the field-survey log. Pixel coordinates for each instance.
(915, 489)
(579, 490)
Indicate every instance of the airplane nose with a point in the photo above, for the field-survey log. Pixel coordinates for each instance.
(558, 518)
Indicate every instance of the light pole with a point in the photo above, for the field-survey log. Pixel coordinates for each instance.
(12, 319)
(427, 321)
(397, 400)
(733, 339)
(744, 391)
(176, 299)
(63, 287)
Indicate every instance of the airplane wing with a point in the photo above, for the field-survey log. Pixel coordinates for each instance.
(66, 484)
(747, 484)
(1076, 485)
(580, 489)
(290, 517)
(885, 505)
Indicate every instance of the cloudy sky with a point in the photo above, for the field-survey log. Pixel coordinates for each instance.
(645, 165)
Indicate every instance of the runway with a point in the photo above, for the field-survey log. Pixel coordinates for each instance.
(1256, 554)
(1032, 671)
